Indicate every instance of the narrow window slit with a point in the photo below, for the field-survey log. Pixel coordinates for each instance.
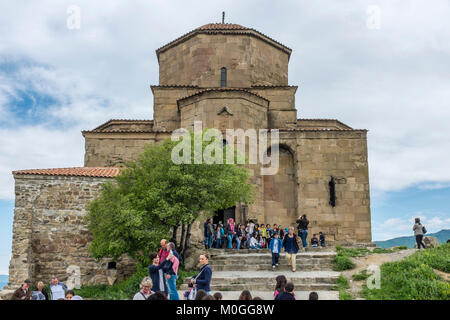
(332, 185)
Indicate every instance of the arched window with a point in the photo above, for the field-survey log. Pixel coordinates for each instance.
(223, 77)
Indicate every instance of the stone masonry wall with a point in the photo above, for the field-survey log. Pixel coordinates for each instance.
(342, 155)
(50, 235)
(198, 61)
(114, 150)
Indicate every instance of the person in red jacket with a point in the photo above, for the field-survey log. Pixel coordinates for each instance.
(163, 252)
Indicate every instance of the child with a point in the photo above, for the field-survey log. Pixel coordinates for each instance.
(288, 293)
(281, 232)
(314, 241)
(269, 232)
(275, 247)
(219, 235)
(263, 232)
(279, 287)
(322, 239)
(254, 243)
(261, 241)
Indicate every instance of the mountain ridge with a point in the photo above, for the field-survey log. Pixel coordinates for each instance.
(409, 241)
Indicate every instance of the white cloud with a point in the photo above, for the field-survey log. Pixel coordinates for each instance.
(402, 224)
(393, 81)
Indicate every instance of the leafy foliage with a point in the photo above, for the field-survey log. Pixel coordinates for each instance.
(126, 289)
(153, 194)
(119, 291)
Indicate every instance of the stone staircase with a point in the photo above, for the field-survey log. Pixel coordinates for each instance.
(236, 270)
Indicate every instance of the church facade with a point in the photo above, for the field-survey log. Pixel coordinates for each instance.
(228, 77)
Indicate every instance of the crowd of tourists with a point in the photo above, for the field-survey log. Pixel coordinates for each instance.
(199, 288)
(58, 291)
(258, 236)
(253, 235)
(163, 271)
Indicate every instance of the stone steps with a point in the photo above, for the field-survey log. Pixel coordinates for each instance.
(247, 269)
(265, 280)
(266, 288)
(214, 252)
(268, 295)
(268, 267)
(250, 259)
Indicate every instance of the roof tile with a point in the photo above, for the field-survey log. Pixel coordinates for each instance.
(98, 172)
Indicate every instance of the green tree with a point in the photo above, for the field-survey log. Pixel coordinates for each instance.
(154, 196)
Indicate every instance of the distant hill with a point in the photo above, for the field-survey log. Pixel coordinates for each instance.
(3, 281)
(442, 237)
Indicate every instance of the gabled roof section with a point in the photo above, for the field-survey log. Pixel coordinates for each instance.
(123, 125)
(307, 124)
(224, 28)
(97, 172)
(222, 90)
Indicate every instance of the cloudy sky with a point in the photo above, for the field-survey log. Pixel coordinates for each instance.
(379, 65)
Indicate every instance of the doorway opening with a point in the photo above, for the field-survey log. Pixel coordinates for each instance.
(224, 214)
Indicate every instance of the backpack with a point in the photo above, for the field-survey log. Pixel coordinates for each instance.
(424, 230)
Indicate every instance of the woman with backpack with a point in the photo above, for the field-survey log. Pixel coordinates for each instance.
(419, 231)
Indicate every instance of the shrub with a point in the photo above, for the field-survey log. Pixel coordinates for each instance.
(119, 291)
(342, 262)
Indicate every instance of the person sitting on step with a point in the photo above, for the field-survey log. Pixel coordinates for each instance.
(322, 239)
(261, 241)
(254, 243)
(314, 241)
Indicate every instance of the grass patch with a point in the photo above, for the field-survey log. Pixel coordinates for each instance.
(342, 259)
(413, 278)
(342, 262)
(342, 286)
(362, 275)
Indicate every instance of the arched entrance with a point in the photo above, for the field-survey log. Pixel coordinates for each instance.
(280, 191)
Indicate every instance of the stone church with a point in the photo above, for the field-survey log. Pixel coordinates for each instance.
(227, 76)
